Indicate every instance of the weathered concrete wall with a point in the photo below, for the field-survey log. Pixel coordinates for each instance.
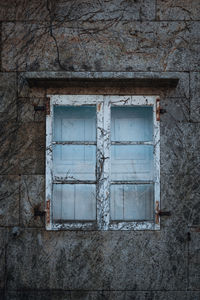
(113, 35)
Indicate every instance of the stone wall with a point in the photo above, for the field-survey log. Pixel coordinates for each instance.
(152, 36)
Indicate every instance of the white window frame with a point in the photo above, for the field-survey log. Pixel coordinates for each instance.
(103, 108)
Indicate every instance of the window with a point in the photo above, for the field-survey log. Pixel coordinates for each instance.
(102, 162)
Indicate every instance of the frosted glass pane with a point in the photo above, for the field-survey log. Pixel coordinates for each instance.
(74, 123)
(131, 123)
(132, 162)
(74, 202)
(74, 161)
(132, 202)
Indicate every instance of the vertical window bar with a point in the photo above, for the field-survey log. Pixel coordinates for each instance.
(106, 162)
(156, 138)
(49, 164)
(99, 167)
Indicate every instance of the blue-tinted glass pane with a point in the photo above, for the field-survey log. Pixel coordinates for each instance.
(74, 123)
(132, 162)
(74, 202)
(132, 202)
(131, 123)
(74, 162)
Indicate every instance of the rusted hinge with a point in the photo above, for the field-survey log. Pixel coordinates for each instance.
(47, 106)
(160, 213)
(159, 110)
(47, 211)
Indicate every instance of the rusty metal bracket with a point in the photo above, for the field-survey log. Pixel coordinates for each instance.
(163, 110)
(39, 213)
(157, 217)
(159, 213)
(47, 106)
(159, 110)
(164, 213)
(39, 108)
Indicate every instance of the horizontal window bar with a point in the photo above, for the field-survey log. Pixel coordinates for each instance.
(131, 143)
(62, 181)
(74, 143)
(132, 182)
(61, 221)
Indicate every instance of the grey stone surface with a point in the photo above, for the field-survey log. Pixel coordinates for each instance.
(179, 147)
(180, 196)
(103, 10)
(99, 39)
(8, 96)
(97, 260)
(31, 200)
(102, 295)
(3, 242)
(194, 261)
(23, 10)
(9, 200)
(61, 11)
(177, 110)
(101, 46)
(195, 96)
(178, 10)
(27, 112)
(22, 148)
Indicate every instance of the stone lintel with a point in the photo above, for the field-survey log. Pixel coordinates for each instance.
(101, 79)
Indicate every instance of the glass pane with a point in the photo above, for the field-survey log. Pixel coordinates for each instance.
(131, 123)
(132, 202)
(74, 123)
(132, 162)
(74, 202)
(74, 162)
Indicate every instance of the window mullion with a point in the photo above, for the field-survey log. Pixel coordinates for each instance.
(103, 161)
(49, 166)
(99, 167)
(106, 162)
(156, 139)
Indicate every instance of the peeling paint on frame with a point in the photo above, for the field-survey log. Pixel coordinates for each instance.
(103, 108)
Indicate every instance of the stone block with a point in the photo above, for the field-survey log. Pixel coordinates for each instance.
(182, 89)
(62, 11)
(32, 198)
(3, 242)
(31, 145)
(103, 10)
(26, 111)
(9, 159)
(23, 10)
(101, 46)
(96, 261)
(194, 261)
(8, 97)
(22, 148)
(178, 10)
(9, 204)
(177, 110)
(180, 196)
(25, 92)
(195, 96)
(179, 147)
(102, 295)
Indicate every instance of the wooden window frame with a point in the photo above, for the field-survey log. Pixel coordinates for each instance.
(103, 109)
